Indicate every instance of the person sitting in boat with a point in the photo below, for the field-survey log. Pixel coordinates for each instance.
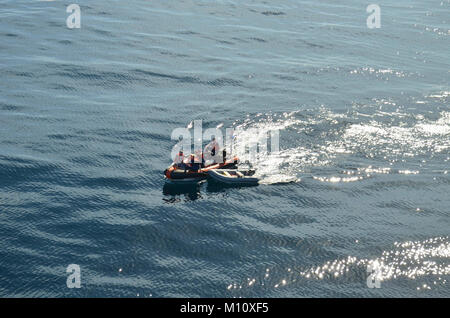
(193, 164)
(179, 159)
(202, 165)
(212, 149)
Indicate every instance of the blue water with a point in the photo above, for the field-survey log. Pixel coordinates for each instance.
(361, 177)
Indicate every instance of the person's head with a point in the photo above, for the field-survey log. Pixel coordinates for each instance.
(213, 138)
(181, 152)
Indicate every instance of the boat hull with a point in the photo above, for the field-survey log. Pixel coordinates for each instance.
(175, 175)
(232, 179)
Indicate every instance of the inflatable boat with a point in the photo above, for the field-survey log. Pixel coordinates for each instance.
(234, 176)
(175, 174)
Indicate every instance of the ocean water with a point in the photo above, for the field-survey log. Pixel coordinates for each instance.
(361, 177)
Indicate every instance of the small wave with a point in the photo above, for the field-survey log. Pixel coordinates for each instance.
(268, 13)
(223, 81)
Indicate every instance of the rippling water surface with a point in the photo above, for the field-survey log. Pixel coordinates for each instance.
(361, 178)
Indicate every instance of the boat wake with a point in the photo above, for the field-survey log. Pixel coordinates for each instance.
(348, 146)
